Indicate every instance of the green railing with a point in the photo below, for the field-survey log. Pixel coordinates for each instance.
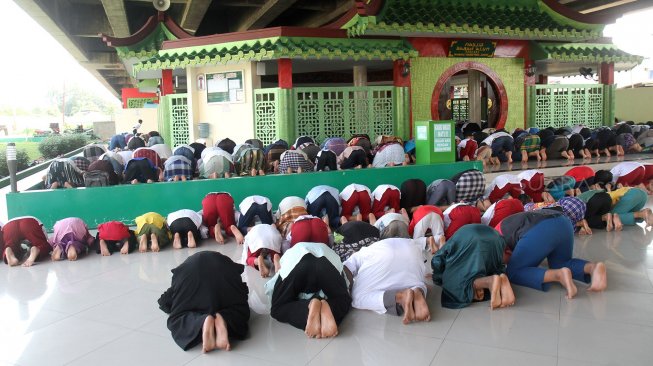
(342, 112)
(328, 112)
(126, 202)
(568, 105)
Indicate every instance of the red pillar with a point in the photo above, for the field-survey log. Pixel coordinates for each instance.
(528, 81)
(606, 73)
(167, 86)
(543, 79)
(285, 73)
(398, 70)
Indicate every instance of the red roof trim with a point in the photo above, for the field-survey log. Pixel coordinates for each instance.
(147, 28)
(255, 34)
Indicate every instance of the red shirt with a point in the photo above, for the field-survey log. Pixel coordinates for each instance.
(113, 230)
(580, 173)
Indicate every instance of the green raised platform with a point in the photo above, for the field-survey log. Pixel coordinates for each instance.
(126, 202)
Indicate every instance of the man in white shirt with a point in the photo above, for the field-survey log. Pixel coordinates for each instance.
(389, 273)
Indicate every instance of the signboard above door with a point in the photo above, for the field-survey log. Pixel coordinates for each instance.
(471, 48)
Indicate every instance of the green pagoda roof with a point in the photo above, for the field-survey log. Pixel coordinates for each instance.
(279, 47)
(513, 19)
(588, 52)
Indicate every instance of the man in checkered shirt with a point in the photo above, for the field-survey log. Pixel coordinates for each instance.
(470, 185)
(177, 168)
(294, 161)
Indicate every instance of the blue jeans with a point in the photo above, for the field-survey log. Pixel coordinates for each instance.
(552, 239)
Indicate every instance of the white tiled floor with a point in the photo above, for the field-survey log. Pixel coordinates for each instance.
(103, 311)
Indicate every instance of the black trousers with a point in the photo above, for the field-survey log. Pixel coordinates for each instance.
(115, 245)
(183, 226)
(140, 170)
(329, 204)
(247, 218)
(310, 275)
(599, 205)
(413, 193)
(356, 158)
(326, 159)
(576, 143)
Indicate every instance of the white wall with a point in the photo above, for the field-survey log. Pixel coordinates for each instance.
(127, 118)
(233, 120)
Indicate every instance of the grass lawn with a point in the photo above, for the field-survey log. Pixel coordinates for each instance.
(32, 149)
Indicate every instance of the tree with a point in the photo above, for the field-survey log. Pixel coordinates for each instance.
(79, 99)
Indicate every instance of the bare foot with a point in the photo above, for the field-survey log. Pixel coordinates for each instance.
(495, 292)
(422, 312)
(313, 324)
(134, 181)
(208, 334)
(599, 278)
(359, 217)
(191, 240)
(12, 261)
(125, 248)
(371, 219)
(33, 255)
(265, 271)
(343, 220)
(218, 234)
(507, 295)
(142, 244)
(261, 172)
(328, 326)
(176, 242)
(406, 299)
(609, 226)
(649, 217)
(71, 253)
(103, 248)
(253, 172)
(155, 243)
(567, 281)
(56, 254)
(221, 333)
(68, 185)
(237, 234)
(616, 221)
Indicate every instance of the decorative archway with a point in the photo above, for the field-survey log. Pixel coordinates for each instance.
(471, 65)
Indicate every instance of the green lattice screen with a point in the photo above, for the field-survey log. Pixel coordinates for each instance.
(341, 112)
(266, 107)
(178, 112)
(568, 105)
(139, 102)
(460, 109)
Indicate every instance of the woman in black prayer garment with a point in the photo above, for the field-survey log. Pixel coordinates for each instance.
(207, 302)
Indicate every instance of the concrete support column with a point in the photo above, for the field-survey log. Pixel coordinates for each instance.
(474, 88)
(360, 75)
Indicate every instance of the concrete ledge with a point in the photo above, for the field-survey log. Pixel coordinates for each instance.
(126, 202)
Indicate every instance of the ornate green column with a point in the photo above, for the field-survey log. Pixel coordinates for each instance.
(401, 100)
(286, 115)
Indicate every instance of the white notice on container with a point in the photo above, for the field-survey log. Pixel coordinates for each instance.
(422, 133)
(442, 138)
